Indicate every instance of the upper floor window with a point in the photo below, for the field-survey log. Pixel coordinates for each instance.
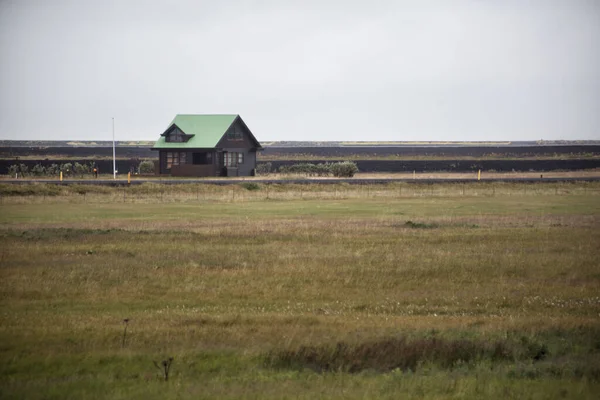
(175, 136)
(235, 133)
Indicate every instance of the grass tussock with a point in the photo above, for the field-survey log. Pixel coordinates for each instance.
(420, 225)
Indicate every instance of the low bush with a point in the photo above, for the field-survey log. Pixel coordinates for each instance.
(13, 170)
(53, 170)
(66, 168)
(38, 170)
(306, 169)
(345, 169)
(264, 168)
(80, 169)
(146, 167)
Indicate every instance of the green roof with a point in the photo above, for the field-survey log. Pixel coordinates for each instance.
(207, 130)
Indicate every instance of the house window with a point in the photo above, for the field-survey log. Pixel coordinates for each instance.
(202, 158)
(175, 136)
(235, 134)
(233, 159)
(175, 158)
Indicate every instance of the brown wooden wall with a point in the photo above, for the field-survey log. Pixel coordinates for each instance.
(190, 170)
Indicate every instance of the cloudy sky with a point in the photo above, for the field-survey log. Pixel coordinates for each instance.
(302, 70)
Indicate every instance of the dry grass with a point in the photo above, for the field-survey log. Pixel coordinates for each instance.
(221, 284)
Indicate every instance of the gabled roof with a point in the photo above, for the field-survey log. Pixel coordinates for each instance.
(205, 130)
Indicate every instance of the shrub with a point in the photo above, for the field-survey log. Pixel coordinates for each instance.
(80, 169)
(38, 170)
(322, 169)
(66, 168)
(146, 167)
(345, 169)
(52, 170)
(13, 170)
(307, 169)
(263, 168)
(23, 170)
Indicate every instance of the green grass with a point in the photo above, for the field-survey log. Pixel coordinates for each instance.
(331, 292)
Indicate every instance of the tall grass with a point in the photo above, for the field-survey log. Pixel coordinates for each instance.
(251, 192)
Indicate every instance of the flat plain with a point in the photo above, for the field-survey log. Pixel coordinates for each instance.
(475, 290)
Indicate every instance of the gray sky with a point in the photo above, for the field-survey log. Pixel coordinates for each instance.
(302, 70)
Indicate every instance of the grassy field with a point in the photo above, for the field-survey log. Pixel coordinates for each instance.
(289, 291)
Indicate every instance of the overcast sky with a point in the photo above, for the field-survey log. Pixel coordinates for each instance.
(302, 70)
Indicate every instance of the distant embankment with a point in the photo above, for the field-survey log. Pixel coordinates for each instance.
(126, 165)
(142, 152)
(501, 158)
(441, 151)
(74, 152)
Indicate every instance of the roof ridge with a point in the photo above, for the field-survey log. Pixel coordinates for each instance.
(208, 115)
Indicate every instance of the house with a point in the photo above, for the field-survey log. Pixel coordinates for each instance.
(207, 145)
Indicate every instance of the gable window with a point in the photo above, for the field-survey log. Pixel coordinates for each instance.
(175, 158)
(235, 133)
(175, 136)
(233, 159)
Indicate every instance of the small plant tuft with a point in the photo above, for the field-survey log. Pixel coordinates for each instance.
(126, 322)
(419, 225)
(250, 186)
(165, 367)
